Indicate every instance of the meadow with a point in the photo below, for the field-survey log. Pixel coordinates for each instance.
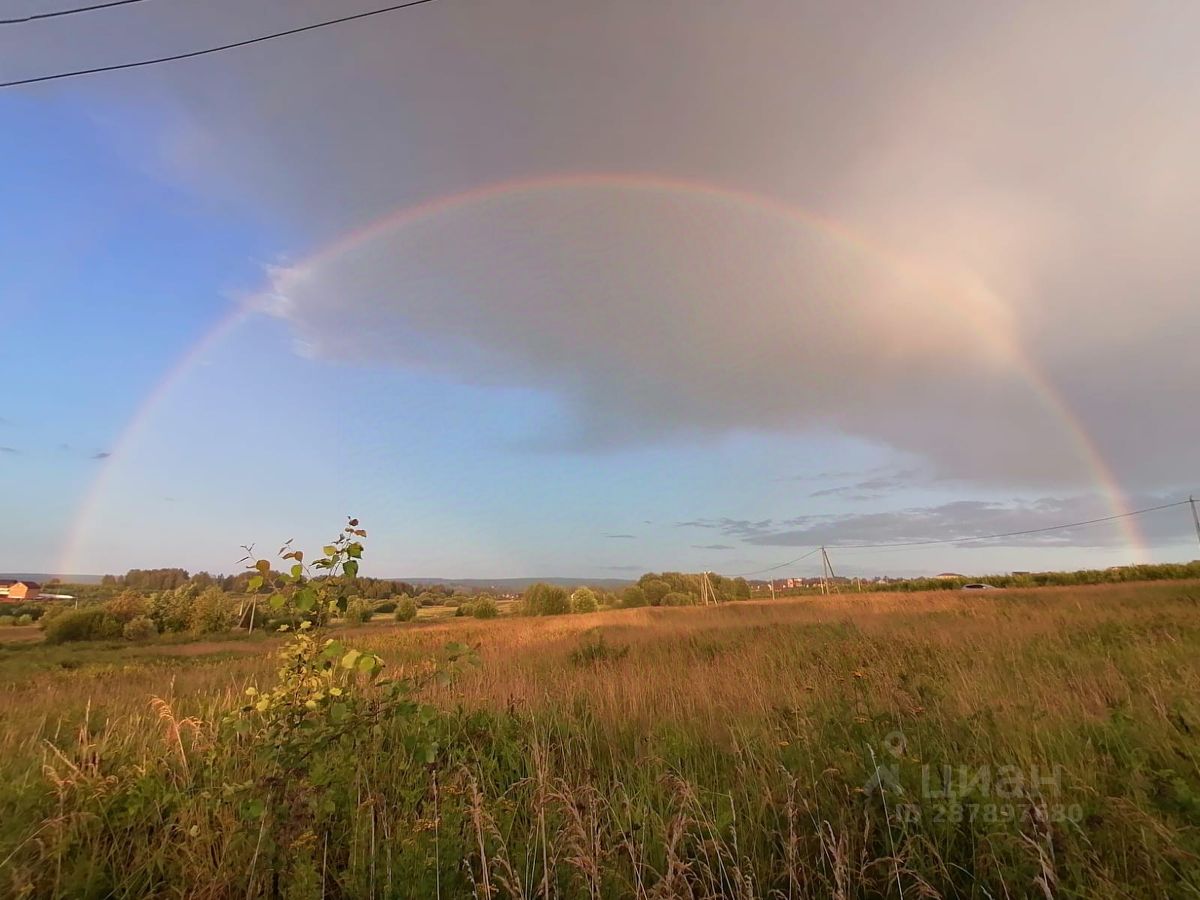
(1010, 743)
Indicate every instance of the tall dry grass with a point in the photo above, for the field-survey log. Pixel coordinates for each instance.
(721, 752)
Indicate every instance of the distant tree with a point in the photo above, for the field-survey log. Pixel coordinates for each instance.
(679, 598)
(655, 589)
(359, 610)
(127, 605)
(545, 600)
(172, 610)
(633, 596)
(583, 600)
(140, 628)
(406, 609)
(484, 607)
(202, 580)
(211, 611)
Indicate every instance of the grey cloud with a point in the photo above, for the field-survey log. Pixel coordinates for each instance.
(625, 568)
(104, 454)
(869, 488)
(1034, 212)
(961, 521)
(713, 547)
(621, 536)
(743, 528)
(9, 450)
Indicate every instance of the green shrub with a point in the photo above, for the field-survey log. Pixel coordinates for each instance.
(26, 619)
(211, 612)
(678, 598)
(34, 610)
(7, 620)
(545, 600)
(284, 622)
(140, 628)
(583, 600)
(593, 651)
(171, 610)
(406, 610)
(92, 623)
(386, 606)
(485, 607)
(633, 596)
(126, 606)
(655, 589)
(359, 610)
(428, 599)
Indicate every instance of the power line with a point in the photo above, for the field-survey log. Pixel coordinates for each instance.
(979, 537)
(207, 50)
(780, 566)
(1004, 534)
(66, 12)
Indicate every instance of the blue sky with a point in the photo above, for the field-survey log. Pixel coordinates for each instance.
(591, 381)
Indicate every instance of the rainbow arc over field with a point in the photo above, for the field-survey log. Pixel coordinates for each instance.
(982, 304)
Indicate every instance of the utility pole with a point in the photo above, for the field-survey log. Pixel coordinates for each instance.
(827, 566)
(1195, 517)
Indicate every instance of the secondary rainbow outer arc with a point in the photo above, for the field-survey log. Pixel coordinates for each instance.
(651, 183)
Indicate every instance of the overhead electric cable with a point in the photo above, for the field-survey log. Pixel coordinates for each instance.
(207, 50)
(780, 566)
(33, 17)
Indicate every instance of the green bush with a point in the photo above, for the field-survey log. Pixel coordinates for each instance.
(546, 600)
(485, 607)
(7, 620)
(678, 598)
(92, 623)
(655, 589)
(287, 622)
(126, 606)
(633, 596)
(386, 606)
(583, 600)
(140, 628)
(211, 612)
(406, 610)
(593, 651)
(359, 610)
(34, 610)
(26, 619)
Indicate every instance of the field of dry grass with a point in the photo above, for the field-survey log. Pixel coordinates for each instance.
(1030, 743)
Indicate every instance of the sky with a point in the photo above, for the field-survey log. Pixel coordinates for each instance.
(590, 290)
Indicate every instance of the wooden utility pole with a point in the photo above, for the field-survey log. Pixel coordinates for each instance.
(827, 573)
(1195, 517)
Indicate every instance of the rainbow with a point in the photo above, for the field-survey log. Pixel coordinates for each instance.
(984, 302)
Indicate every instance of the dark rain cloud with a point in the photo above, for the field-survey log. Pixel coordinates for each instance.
(1014, 258)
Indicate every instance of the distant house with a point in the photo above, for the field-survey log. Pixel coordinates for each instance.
(949, 576)
(19, 590)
